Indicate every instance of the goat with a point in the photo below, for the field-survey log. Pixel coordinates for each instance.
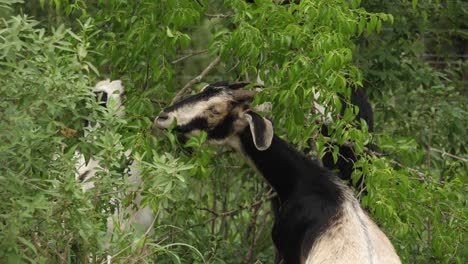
(110, 94)
(346, 157)
(319, 220)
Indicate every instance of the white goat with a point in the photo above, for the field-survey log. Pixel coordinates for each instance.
(110, 95)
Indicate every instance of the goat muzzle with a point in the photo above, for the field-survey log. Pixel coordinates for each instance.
(163, 120)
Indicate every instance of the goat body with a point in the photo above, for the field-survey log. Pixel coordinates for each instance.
(319, 220)
(107, 91)
(347, 157)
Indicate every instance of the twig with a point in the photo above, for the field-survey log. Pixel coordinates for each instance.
(110, 258)
(448, 154)
(147, 233)
(422, 176)
(115, 192)
(361, 191)
(196, 80)
(260, 230)
(147, 73)
(189, 55)
(213, 223)
(219, 15)
(160, 102)
(216, 215)
(234, 211)
(251, 229)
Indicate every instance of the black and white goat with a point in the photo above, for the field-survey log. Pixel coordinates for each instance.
(319, 221)
(109, 95)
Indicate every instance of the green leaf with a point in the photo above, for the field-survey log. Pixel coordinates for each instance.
(28, 244)
(169, 32)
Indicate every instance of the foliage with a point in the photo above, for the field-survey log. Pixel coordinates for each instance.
(414, 72)
(44, 91)
(210, 207)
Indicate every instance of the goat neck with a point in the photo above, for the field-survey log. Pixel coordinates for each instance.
(288, 171)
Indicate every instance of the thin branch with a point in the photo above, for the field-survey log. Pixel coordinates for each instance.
(234, 211)
(361, 191)
(270, 195)
(252, 229)
(196, 80)
(147, 233)
(219, 15)
(160, 102)
(421, 176)
(189, 55)
(448, 154)
(110, 258)
(261, 229)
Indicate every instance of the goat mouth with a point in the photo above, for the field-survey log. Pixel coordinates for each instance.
(163, 121)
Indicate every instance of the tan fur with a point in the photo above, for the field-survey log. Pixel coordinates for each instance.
(216, 112)
(189, 112)
(354, 238)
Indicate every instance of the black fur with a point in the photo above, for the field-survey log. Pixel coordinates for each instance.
(359, 99)
(204, 96)
(347, 157)
(198, 123)
(309, 197)
(259, 128)
(101, 97)
(222, 130)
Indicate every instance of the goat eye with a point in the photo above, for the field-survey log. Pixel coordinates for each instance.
(213, 110)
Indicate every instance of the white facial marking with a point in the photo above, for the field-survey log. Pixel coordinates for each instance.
(189, 112)
(113, 89)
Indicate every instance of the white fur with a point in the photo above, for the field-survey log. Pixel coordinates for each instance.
(354, 239)
(187, 113)
(325, 118)
(142, 216)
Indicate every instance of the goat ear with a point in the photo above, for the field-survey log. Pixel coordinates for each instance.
(261, 129)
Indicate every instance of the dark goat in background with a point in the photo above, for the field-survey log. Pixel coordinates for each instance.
(346, 155)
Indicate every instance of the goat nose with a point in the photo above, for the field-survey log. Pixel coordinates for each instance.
(163, 116)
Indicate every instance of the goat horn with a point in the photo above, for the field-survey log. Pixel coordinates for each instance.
(243, 95)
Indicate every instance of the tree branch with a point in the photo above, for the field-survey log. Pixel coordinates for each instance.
(196, 80)
(448, 154)
(234, 211)
(421, 176)
(219, 15)
(189, 55)
(110, 258)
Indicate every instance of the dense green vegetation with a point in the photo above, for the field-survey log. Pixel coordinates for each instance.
(409, 56)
